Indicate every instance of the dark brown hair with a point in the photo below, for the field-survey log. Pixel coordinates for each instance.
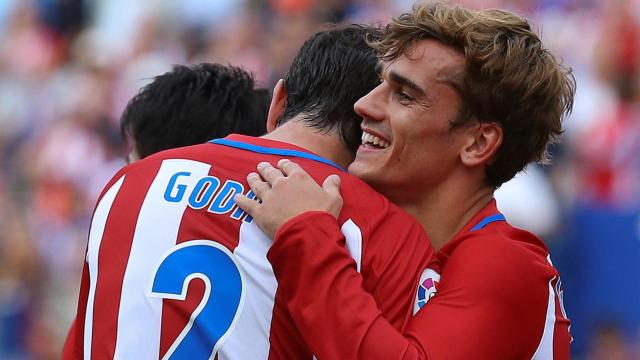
(509, 77)
(333, 69)
(194, 104)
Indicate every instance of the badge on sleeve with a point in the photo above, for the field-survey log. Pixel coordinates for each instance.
(427, 288)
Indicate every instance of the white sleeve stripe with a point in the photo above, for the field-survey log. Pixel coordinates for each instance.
(353, 237)
(93, 248)
(255, 319)
(545, 347)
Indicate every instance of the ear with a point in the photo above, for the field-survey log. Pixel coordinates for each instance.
(483, 143)
(278, 102)
(133, 155)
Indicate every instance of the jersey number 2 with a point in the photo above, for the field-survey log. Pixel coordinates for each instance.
(216, 314)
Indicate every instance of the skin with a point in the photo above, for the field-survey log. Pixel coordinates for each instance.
(433, 171)
(412, 114)
(326, 144)
(291, 179)
(133, 156)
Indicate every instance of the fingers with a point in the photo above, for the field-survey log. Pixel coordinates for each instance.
(285, 168)
(269, 173)
(258, 186)
(250, 206)
(288, 167)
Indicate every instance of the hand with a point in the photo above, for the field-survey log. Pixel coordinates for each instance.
(287, 192)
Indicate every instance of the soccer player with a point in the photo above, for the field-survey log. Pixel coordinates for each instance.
(191, 105)
(467, 100)
(175, 270)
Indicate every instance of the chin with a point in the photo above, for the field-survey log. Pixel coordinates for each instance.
(362, 173)
(355, 169)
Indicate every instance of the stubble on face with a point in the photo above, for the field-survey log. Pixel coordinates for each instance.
(422, 148)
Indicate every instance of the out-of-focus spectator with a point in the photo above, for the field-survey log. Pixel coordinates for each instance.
(599, 173)
(608, 151)
(609, 343)
(21, 276)
(529, 202)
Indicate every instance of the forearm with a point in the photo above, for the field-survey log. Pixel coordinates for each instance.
(324, 294)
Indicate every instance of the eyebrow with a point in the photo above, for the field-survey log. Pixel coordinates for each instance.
(446, 78)
(399, 79)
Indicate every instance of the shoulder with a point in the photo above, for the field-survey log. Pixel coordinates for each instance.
(501, 260)
(363, 203)
(182, 159)
(514, 247)
(385, 227)
(359, 197)
(200, 152)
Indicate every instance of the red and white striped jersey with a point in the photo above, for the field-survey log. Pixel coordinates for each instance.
(175, 270)
(489, 293)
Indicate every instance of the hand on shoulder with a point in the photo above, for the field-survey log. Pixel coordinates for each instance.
(285, 192)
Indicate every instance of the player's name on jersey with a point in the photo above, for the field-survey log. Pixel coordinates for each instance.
(209, 192)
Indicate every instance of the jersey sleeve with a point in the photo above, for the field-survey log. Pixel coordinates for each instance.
(73, 347)
(74, 343)
(487, 307)
(491, 303)
(319, 284)
(68, 347)
(391, 268)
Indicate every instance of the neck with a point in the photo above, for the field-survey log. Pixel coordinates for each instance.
(446, 209)
(327, 144)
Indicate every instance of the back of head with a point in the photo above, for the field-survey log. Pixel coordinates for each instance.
(191, 105)
(509, 77)
(332, 70)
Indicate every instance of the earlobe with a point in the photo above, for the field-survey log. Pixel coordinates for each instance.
(483, 144)
(278, 102)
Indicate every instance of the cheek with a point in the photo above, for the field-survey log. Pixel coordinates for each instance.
(426, 148)
(418, 142)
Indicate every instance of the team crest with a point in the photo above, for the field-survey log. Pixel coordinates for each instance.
(427, 288)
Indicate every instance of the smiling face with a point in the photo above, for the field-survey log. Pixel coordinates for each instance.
(408, 145)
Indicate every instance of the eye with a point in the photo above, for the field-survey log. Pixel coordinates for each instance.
(403, 97)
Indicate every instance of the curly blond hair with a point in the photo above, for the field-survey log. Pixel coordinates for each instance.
(509, 77)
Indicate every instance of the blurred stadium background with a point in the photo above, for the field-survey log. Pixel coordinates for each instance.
(68, 67)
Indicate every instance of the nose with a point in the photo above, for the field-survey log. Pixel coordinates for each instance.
(371, 106)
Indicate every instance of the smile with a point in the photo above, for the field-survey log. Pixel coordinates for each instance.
(372, 140)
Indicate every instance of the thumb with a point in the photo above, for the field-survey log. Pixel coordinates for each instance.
(331, 185)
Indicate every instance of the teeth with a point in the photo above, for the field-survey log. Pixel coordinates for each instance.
(372, 139)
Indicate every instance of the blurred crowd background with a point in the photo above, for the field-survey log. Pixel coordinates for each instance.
(68, 68)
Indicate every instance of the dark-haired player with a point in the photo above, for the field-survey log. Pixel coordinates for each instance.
(175, 270)
(191, 105)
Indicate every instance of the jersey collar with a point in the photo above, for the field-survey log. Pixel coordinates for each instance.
(271, 147)
(483, 218)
